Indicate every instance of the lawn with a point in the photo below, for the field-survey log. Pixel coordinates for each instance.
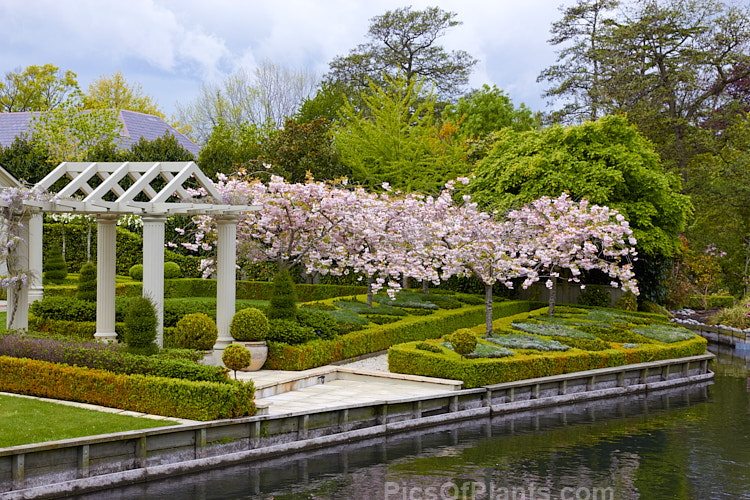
(26, 421)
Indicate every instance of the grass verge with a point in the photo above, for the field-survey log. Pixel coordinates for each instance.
(26, 421)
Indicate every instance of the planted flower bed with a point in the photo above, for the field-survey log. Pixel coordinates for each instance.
(532, 344)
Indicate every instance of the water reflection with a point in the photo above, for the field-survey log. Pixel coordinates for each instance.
(684, 443)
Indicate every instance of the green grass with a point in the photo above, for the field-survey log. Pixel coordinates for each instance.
(26, 421)
(3, 320)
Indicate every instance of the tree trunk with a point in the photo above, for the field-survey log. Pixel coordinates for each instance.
(369, 291)
(488, 307)
(552, 296)
(425, 287)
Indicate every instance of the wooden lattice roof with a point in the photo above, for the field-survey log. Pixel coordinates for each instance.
(121, 184)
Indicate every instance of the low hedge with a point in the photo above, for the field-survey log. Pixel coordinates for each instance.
(114, 360)
(409, 358)
(154, 395)
(714, 301)
(283, 356)
(197, 287)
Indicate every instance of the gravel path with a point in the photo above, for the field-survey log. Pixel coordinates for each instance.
(373, 364)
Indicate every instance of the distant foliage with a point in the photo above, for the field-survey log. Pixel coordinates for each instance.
(594, 295)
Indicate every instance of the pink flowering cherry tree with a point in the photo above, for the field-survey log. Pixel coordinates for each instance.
(559, 233)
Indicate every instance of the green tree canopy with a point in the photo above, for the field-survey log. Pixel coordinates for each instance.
(300, 148)
(607, 161)
(37, 88)
(483, 111)
(404, 42)
(114, 92)
(232, 147)
(398, 141)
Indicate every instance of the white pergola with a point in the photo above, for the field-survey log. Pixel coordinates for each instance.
(122, 191)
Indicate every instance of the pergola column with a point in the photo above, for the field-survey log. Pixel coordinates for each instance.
(106, 257)
(153, 268)
(18, 300)
(226, 273)
(36, 230)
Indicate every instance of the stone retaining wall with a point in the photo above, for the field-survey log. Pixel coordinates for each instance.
(72, 466)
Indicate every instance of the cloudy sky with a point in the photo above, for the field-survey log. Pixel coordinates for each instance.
(171, 46)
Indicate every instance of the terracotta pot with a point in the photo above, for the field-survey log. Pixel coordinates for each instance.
(258, 351)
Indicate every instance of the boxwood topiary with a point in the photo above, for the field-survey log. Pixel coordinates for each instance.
(322, 323)
(140, 326)
(87, 282)
(172, 270)
(283, 303)
(236, 357)
(463, 341)
(55, 268)
(249, 325)
(196, 331)
(136, 272)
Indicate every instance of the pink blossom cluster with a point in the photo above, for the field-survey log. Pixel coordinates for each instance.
(382, 237)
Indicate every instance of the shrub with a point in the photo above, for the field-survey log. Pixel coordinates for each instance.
(111, 357)
(289, 332)
(140, 325)
(56, 270)
(463, 341)
(156, 395)
(64, 308)
(283, 303)
(136, 272)
(172, 270)
(594, 295)
(196, 331)
(87, 282)
(249, 325)
(628, 302)
(654, 308)
(236, 357)
(324, 326)
(428, 347)
(736, 317)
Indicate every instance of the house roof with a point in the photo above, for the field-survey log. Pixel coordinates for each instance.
(134, 126)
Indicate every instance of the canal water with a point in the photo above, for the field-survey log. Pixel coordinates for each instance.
(684, 443)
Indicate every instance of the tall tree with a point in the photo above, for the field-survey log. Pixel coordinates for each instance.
(398, 142)
(114, 92)
(404, 42)
(577, 75)
(487, 110)
(668, 64)
(37, 88)
(268, 95)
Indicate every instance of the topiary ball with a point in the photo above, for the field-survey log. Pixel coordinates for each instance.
(236, 357)
(136, 272)
(463, 341)
(140, 323)
(196, 331)
(172, 270)
(249, 325)
(87, 282)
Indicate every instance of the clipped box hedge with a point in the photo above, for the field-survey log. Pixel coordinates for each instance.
(406, 358)
(380, 337)
(197, 287)
(154, 395)
(113, 360)
(713, 301)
